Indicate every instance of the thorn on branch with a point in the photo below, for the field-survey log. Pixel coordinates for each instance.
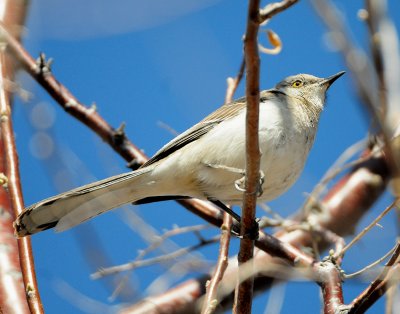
(133, 164)
(3, 180)
(44, 66)
(119, 134)
(92, 108)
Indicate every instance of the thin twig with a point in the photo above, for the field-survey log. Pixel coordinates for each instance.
(368, 267)
(151, 261)
(210, 300)
(233, 83)
(366, 229)
(338, 167)
(157, 241)
(388, 277)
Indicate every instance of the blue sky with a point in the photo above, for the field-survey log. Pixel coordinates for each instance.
(147, 64)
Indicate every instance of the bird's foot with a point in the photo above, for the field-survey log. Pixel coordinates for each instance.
(251, 234)
(240, 183)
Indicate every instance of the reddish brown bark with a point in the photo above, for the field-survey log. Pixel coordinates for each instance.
(18, 287)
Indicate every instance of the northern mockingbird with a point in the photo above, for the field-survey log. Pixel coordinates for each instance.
(206, 161)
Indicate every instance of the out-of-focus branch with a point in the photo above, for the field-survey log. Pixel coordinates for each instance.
(244, 290)
(386, 56)
(233, 83)
(388, 277)
(365, 76)
(376, 51)
(365, 230)
(153, 260)
(18, 292)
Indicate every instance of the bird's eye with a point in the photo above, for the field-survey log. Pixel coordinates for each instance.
(297, 83)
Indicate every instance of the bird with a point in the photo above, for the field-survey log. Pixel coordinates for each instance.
(205, 162)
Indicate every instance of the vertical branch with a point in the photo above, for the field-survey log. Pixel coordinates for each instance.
(14, 298)
(12, 293)
(244, 290)
(14, 195)
(377, 58)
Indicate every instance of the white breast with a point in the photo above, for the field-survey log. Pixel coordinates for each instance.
(284, 148)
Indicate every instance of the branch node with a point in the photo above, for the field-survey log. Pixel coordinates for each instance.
(3, 180)
(30, 290)
(92, 108)
(43, 65)
(119, 134)
(70, 103)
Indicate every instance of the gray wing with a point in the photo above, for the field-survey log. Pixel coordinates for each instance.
(203, 127)
(198, 130)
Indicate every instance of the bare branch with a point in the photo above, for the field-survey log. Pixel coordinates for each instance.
(244, 290)
(366, 229)
(357, 62)
(151, 261)
(210, 300)
(368, 267)
(233, 83)
(17, 295)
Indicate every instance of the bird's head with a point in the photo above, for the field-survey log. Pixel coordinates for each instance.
(308, 88)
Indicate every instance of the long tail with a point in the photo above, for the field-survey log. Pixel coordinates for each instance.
(68, 209)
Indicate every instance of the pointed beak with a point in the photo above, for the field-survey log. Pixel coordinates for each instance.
(329, 80)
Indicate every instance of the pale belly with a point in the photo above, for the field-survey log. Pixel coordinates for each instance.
(282, 162)
(199, 166)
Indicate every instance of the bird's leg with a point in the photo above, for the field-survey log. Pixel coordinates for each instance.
(236, 225)
(240, 183)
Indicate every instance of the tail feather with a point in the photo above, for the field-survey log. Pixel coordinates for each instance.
(68, 209)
